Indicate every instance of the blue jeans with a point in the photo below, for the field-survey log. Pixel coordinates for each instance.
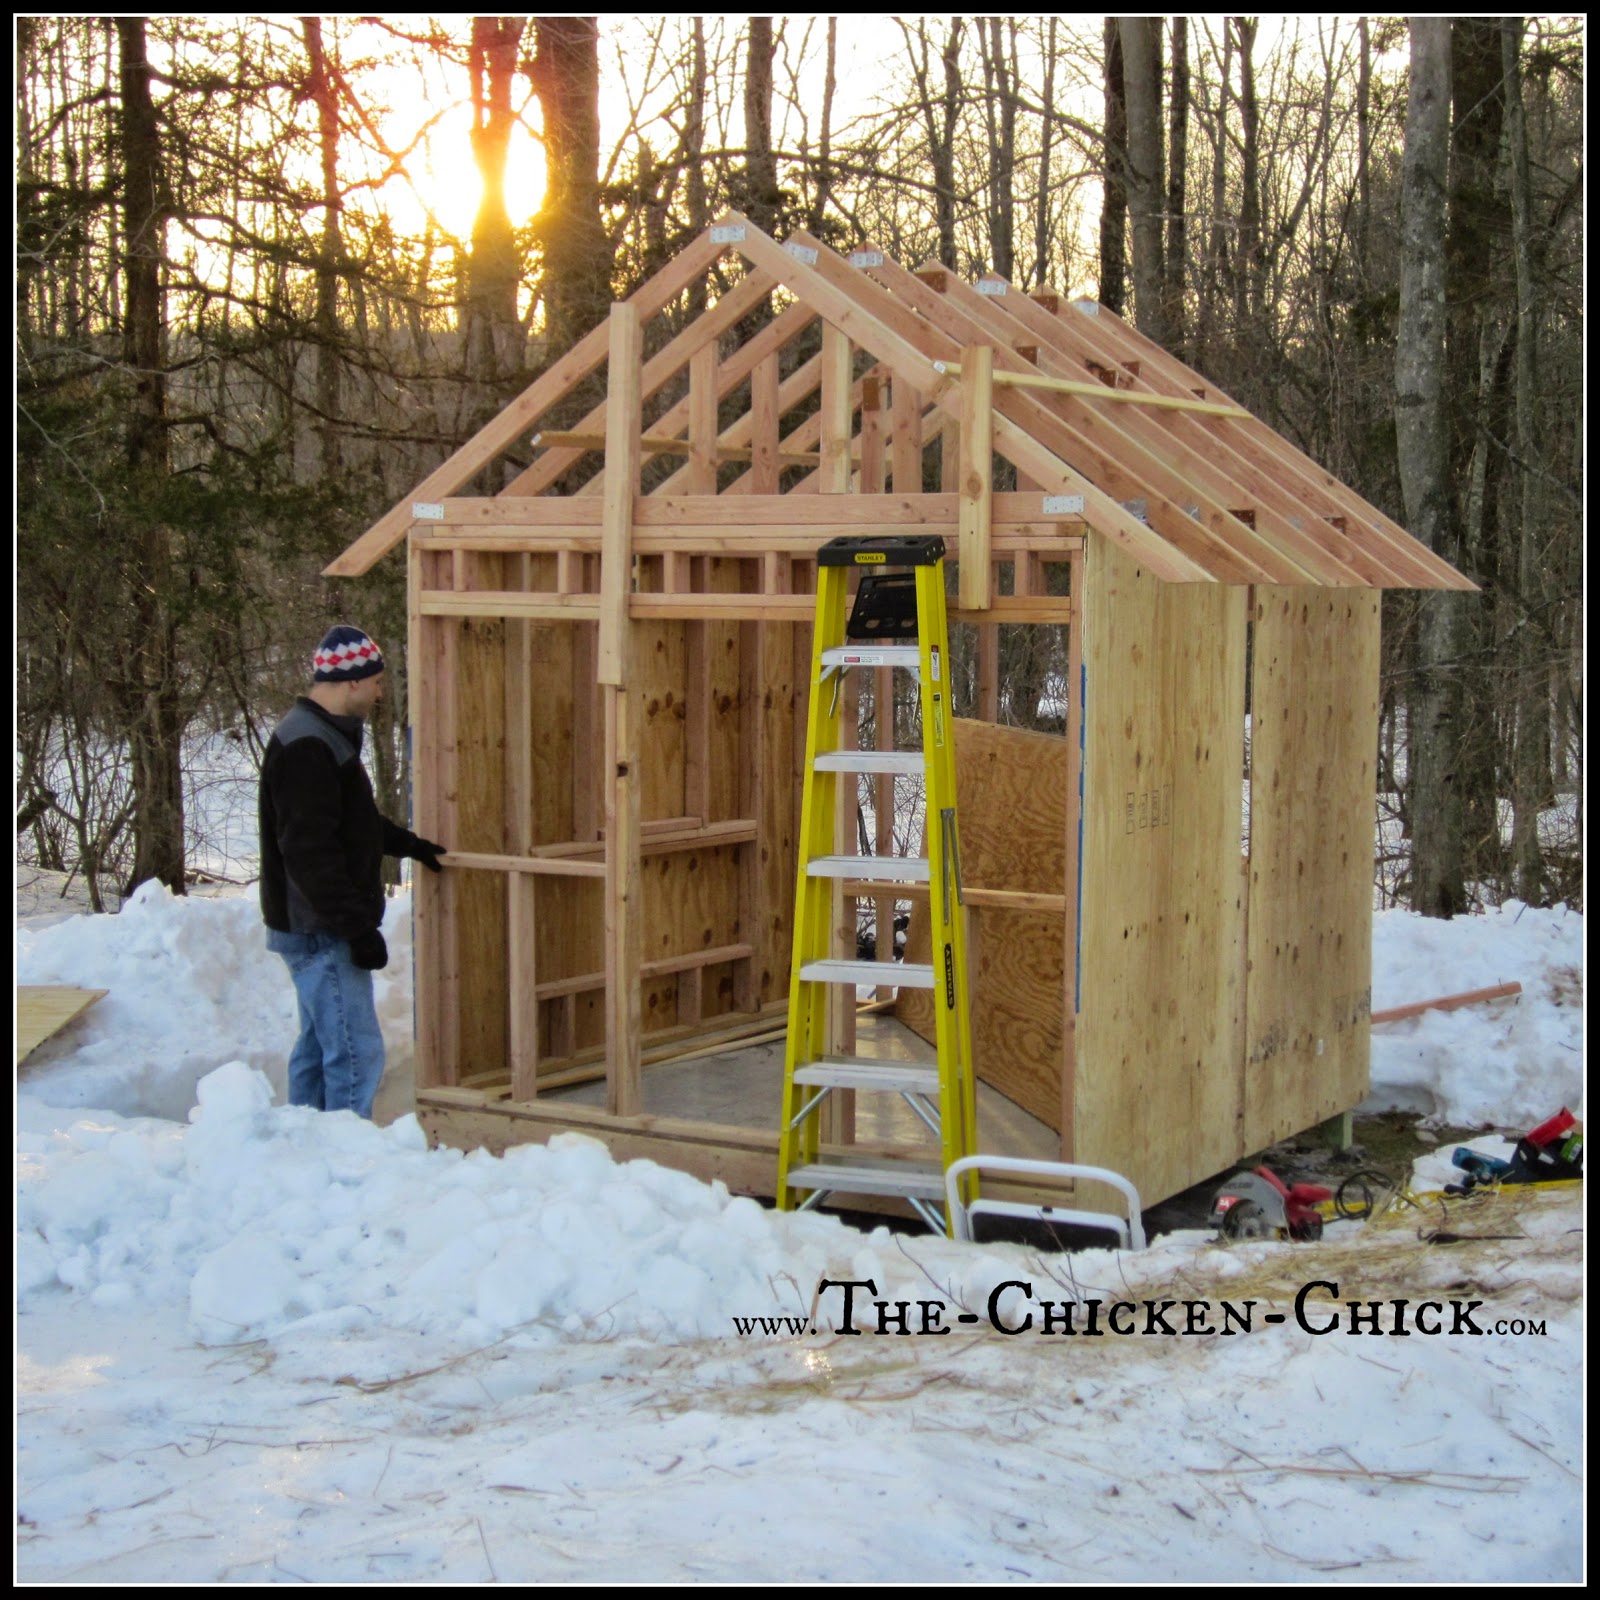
(337, 1062)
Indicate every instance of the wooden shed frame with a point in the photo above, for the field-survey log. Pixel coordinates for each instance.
(608, 697)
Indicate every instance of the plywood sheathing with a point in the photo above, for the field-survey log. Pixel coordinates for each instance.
(1156, 1091)
(1313, 745)
(1011, 797)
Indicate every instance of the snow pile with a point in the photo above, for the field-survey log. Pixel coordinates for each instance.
(1511, 1064)
(266, 1220)
(192, 985)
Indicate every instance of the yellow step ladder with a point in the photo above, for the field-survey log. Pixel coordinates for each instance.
(898, 621)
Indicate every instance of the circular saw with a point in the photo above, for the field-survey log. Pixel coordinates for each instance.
(1260, 1205)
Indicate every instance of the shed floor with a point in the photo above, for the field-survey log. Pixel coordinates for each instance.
(744, 1088)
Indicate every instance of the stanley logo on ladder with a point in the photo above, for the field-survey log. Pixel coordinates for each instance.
(898, 621)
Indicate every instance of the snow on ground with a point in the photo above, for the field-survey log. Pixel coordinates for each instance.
(191, 985)
(262, 1344)
(1512, 1063)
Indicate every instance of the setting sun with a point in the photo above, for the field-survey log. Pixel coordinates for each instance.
(418, 131)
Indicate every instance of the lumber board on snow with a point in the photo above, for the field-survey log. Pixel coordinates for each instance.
(1449, 1002)
(44, 1010)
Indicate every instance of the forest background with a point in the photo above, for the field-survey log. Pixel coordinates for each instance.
(271, 271)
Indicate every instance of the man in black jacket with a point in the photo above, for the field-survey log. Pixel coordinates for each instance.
(323, 840)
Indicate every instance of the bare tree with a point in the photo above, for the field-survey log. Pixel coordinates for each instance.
(492, 332)
(1114, 208)
(1141, 62)
(1422, 434)
(565, 73)
(148, 690)
(1177, 248)
(1531, 765)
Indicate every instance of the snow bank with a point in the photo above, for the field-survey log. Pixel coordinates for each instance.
(1510, 1064)
(192, 985)
(265, 1219)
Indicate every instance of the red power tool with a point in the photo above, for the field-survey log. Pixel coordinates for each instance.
(1260, 1205)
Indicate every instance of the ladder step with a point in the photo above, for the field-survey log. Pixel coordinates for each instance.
(869, 1072)
(908, 656)
(860, 1175)
(899, 974)
(902, 763)
(874, 869)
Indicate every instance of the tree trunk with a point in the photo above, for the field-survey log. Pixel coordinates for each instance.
(760, 165)
(1114, 207)
(148, 694)
(493, 332)
(565, 73)
(1531, 758)
(1040, 275)
(944, 148)
(830, 84)
(1141, 63)
(329, 252)
(1177, 192)
(1475, 321)
(1248, 260)
(694, 144)
(1000, 111)
(1363, 141)
(1218, 269)
(1424, 458)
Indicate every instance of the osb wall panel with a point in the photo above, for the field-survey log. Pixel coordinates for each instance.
(1157, 1089)
(1011, 805)
(1314, 739)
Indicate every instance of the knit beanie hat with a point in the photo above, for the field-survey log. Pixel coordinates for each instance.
(345, 655)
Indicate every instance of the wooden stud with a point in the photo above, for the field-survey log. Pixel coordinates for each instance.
(523, 944)
(834, 418)
(446, 717)
(1071, 961)
(765, 414)
(1096, 391)
(624, 909)
(905, 412)
(622, 485)
(427, 898)
(976, 488)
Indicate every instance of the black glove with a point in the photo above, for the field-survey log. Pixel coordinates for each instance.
(428, 853)
(369, 952)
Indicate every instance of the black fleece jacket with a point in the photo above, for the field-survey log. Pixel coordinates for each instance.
(323, 838)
